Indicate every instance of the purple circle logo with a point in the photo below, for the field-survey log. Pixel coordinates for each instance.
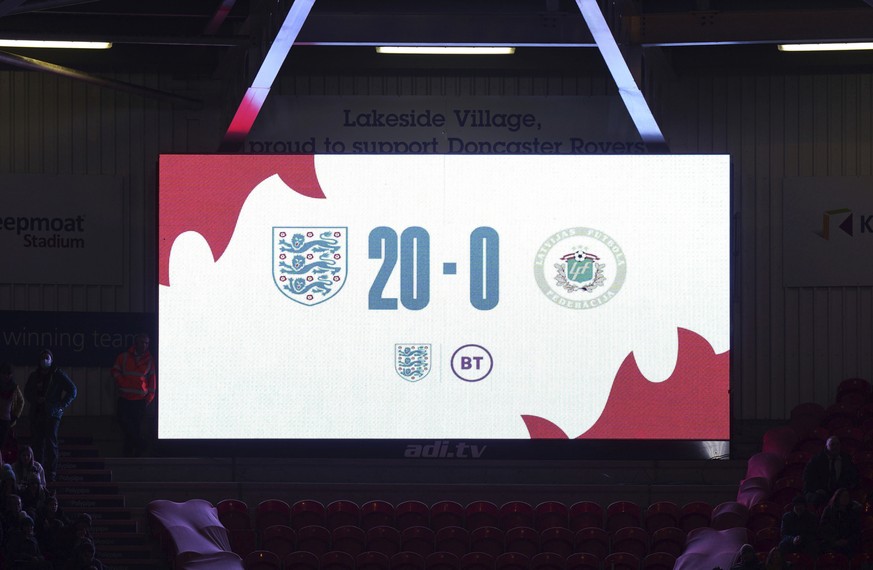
(472, 363)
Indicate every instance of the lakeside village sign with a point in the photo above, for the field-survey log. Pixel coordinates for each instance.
(430, 125)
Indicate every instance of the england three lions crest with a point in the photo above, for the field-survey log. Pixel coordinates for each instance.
(309, 264)
(412, 361)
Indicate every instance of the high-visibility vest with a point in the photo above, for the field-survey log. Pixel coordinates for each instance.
(134, 377)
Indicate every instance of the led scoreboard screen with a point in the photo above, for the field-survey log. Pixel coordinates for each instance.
(388, 297)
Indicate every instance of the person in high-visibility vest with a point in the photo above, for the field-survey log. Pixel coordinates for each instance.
(134, 373)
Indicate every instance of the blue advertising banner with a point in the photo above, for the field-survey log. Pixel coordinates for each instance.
(75, 338)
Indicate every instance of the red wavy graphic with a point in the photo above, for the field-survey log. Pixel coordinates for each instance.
(205, 193)
(691, 404)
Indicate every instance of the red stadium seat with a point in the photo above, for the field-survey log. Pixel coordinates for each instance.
(349, 538)
(799, 561)
(405, 560)
(582, 561)
(668, 539)
(481, 513)
(695, 514)
(335, 560)
(550, 514)
(661, 515)
(516, 513)
(305, 513)
(592, 540)
(279, 539)
(853, 390)
(446, 513)
(411, 513)
(659, 561)
(832, 561)
(271, 512)
(300, 560)
(487, 539)
(418, 539)
(341, 513)
(557, 539)
(621, 561)
(243, 541)
(621, 514)
(314, 538)
(262, 560)
(765, 514)
(522, 539)
(233, 514)
(377, 513)
(585, 514)
(838, 416)
(454, 539)
(441, 561)
(862, 561)
(795, 465)
(781, 440)
(766, 538)
(785, 489)
(512, 561)
(384, 539)
(476, 561)
(369, 560)
(631, 539)
(546, 561)
(814, 441)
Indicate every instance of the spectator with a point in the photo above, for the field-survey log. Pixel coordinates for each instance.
(71, 535)
(11, 514)
(23, 550)
(11, 401)
(134, 373)
(50, 522)
(799, 531)
(27, 467)
(828, 471)
(746, 559)
(83, 557)
(7, 479)
(841, 524)
(49, 391)
(33, 497)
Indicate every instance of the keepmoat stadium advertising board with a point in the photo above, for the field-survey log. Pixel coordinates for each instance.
(444, 299)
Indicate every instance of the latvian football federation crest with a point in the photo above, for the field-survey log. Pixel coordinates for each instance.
(412, 361)
(309, 264)
(580, 268)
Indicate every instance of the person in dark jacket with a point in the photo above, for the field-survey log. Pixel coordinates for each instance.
(11, 401)
(799, 530)
(841, 524)
(49, 392)
(828, 471)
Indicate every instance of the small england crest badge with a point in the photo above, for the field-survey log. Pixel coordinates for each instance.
(412, 361)
(309, 263)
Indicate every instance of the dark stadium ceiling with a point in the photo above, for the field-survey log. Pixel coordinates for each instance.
(228, 39)
(197, 36)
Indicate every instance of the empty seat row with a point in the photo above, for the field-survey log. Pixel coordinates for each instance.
(336, 560)
(561, 541)
(235, 514)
